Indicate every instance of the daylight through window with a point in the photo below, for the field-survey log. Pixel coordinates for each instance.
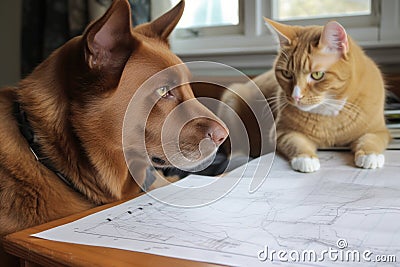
(306, 9)
(209, 13)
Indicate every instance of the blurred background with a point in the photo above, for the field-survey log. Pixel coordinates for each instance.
(226, 31)
(231, 32)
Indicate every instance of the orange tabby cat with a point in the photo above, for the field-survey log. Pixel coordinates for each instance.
(324, 92)
(332, 95)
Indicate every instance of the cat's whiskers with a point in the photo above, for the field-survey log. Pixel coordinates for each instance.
(346, 104)
(333, 106)
(281, 106)
(351, 110)
(271, 104)
(285, 104)
(274, 101)
(272, 98)
(277, 103)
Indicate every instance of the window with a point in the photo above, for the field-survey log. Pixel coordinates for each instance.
(284, 10)
(205, 17)
(350, 13)
(205, 13)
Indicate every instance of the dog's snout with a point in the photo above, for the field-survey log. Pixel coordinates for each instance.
(217, 133)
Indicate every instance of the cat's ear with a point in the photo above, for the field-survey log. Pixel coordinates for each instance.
(285, 33)
(334, 39)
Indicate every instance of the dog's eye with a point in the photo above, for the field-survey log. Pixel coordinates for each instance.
(164, 91)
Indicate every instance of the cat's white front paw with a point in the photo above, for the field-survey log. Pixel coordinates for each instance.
(370, 161)
(305, 164)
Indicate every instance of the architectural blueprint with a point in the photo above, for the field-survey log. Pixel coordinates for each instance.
(341, 208)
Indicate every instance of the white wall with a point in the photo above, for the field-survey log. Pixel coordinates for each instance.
(10, 31)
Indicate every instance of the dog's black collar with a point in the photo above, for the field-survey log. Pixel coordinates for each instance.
(27, 131)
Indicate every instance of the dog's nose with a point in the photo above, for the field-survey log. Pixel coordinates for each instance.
(217, 133)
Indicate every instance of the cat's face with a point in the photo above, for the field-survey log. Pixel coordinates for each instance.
(311, 67)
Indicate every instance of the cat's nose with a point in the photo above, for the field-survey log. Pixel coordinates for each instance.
(296, 94)
(217, 133)
(297, 98)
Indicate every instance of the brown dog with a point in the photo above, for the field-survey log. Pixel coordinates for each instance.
(70, 112)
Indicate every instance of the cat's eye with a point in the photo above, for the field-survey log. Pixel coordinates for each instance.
(317, 75)
(287, 74)
(164, 91)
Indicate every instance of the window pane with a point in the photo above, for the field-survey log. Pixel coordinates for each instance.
(303, 9)
(209, 13)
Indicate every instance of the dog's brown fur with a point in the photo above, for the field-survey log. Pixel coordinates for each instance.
(75, 102)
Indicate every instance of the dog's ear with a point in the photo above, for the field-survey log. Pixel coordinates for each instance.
(109, 41)
(164, 25)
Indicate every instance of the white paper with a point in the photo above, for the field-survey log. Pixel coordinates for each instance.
(291, 211)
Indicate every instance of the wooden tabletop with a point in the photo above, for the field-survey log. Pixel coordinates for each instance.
(51, 253)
